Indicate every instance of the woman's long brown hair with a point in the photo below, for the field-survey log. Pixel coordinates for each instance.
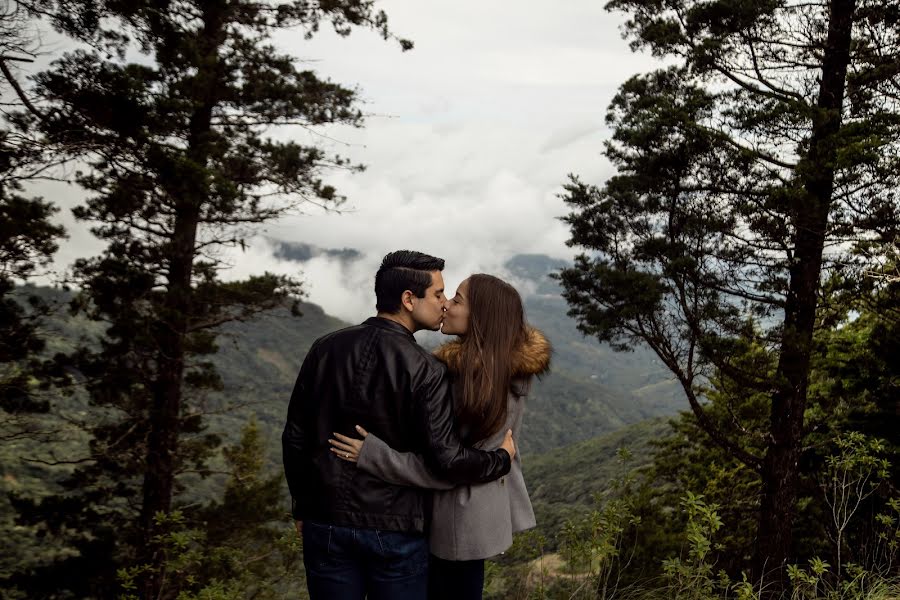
(496, 329)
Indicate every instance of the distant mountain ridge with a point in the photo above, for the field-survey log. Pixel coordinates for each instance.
(591, 390)
(573, 425)
(300, 252)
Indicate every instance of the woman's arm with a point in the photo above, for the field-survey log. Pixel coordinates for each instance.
(374, 456)
(401, 468)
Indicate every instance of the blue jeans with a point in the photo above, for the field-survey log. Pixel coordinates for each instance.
(349, 563)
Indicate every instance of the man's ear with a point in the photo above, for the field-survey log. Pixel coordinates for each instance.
(407, 300)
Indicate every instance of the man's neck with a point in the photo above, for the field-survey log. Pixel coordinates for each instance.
(398, 318)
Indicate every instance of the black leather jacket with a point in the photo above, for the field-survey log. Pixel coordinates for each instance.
(377, 376)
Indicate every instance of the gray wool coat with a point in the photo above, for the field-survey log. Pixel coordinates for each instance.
(468, 522)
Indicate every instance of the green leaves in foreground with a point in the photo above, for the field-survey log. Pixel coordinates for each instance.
(243, 545)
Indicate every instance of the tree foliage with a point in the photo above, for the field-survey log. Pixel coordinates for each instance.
(760, 165)
(241, 545)
(170, 106)
(28, 236)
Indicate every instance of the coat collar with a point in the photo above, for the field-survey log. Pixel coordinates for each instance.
(389, 325)
(530, 358)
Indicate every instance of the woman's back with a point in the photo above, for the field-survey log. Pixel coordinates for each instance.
(470, 522)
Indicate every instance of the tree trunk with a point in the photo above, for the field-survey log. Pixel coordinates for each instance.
(191, 193)
(810, 213)
(162, 440)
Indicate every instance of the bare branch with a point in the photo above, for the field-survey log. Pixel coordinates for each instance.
(18, 89)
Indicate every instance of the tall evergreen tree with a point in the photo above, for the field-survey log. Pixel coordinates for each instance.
(762, 162)
(179, 167)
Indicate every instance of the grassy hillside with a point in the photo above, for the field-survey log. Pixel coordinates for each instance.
(591, 390)
(564, 482)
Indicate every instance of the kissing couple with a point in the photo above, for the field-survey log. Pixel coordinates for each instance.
(402, 465)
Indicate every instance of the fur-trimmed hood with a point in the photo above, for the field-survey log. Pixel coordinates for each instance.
(531, 358)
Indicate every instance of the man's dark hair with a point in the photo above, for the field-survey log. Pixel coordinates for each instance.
(400, 271)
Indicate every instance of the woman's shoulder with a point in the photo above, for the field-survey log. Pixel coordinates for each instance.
(532, 356)
(520, 386)
(450, 354)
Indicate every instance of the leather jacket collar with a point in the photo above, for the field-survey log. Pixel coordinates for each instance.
(383, 323)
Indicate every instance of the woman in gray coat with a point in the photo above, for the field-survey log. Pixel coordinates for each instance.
(492, 364)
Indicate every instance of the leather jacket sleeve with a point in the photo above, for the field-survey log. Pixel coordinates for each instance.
(444, 452)
(295, 440)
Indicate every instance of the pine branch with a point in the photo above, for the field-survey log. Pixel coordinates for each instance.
(10, 78)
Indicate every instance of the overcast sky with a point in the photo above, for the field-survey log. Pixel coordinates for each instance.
(470, 138)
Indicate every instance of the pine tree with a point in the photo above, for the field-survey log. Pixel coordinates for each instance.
(242, 545)
(761, 163)
(180, 166)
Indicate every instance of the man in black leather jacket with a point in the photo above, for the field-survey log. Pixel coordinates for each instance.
(362, 535)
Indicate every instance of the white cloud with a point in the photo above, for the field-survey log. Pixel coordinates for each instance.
(471, 137)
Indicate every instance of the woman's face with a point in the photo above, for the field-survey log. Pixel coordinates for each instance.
(456, 319)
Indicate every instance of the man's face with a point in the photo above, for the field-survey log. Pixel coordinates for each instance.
(428, 312)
